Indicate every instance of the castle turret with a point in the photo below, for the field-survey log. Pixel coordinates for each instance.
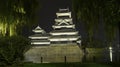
(40, 38)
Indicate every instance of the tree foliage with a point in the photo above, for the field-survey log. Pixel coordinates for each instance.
(15, 14)
(93, 12)
(12, 49)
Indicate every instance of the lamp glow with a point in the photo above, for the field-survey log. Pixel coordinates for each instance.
(110, 48)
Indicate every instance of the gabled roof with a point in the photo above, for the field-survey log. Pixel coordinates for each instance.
(38, 30)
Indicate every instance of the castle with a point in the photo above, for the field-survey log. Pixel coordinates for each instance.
(62, 44)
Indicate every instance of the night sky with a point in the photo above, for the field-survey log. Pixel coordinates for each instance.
(48, 9)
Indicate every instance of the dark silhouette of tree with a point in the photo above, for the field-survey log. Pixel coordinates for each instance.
(12, 49)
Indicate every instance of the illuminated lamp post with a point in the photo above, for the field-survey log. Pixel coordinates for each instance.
(110, 49)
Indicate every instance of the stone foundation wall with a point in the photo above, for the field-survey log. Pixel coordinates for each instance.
(54, 53)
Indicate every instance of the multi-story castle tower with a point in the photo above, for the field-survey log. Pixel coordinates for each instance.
(64, 29)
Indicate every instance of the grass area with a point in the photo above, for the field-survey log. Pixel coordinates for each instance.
(71, 65)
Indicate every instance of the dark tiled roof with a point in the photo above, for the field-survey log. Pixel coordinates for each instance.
(71, 36)
(65, 30)
(40, 35)
(40, 40)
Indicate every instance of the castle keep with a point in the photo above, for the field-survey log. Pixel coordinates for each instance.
(62, 44)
